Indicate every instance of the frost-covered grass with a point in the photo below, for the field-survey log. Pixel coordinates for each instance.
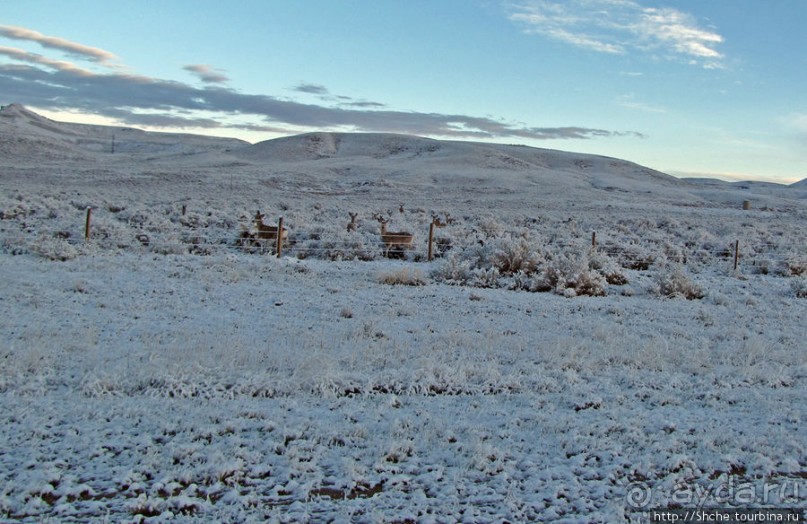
(142, 386)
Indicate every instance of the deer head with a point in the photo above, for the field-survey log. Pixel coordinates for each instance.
(352, 225)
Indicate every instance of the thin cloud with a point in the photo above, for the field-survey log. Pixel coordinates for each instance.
(34, 58)
(312, 89)
(74, 49)
(125, 97)
(630, 102)
(619, 27)
(364, 104)
(140, 100)
(797, 121)
(325, 94)
(207, 74)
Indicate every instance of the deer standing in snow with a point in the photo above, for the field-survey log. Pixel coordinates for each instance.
(268, 232)
(397, 241)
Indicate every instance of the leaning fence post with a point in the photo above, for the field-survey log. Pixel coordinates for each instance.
(87, 225)
(431, 240)
(279, 237)
(736, 253)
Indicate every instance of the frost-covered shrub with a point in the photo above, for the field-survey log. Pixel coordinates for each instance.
(632, 256)
(490, 227)
(761, 267)
(54, 248)
(171, 244)
(673, 252)
(570, 274)
(793, 267)
(606, 266)
(799, 287)
(514, 255)
(453, 269)
(485, 278)
(534, 282)
(676, 283)
(518, 263)
(17, 211)
(335, 244)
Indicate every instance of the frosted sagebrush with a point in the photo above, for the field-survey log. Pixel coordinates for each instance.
(570, 274)
(514, 255)
(799, 287)
(57, 249)
(677, 283)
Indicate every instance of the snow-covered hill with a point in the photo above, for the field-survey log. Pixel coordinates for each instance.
(26, 135)
(345, 163)
(468, 165)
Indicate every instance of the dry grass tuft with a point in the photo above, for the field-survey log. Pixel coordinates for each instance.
(403, 277)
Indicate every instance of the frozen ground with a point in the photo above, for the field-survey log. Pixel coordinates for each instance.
(183, 377)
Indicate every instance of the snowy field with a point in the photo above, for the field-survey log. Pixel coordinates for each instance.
(170, 370)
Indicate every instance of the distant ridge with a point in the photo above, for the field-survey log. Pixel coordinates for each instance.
(347, 162)
(29, 135)
(319, 145)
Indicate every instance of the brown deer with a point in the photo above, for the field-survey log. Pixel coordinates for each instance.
(395, 242)
(352, 225)
(437, 222)
(268, 232)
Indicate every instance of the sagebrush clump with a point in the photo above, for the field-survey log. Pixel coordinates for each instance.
(676, 283)
(799, 287)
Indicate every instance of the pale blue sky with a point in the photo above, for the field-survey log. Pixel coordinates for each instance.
(689, 87)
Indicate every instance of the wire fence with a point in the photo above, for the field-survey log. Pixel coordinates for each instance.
(758, 256)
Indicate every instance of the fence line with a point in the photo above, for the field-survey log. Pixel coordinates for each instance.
(750, 253)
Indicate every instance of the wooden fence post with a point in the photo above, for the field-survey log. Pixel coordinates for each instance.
(594, 240)
(736, 254)
(431, 240)
(280, 237)
(87, 225)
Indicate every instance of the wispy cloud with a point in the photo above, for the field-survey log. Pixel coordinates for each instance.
(620, 27)
(325, 94)
(207, 74)
(139, 100)
(312, 89)
(630, 101)
(34, 58)
(797, 121)
(74, 49)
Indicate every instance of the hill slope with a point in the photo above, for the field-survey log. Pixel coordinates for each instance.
(26, 135)
(414, 160)
(367, 164)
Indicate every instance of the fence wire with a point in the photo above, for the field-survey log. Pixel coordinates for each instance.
(220, 240)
